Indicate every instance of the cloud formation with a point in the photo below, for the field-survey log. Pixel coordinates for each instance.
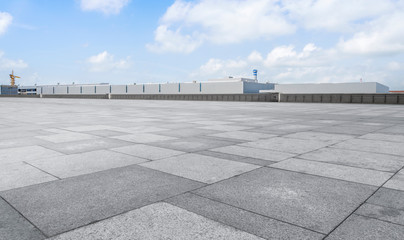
(5, 21)
(105, 6)
(9, 64)
(369, 26)
(105, 61)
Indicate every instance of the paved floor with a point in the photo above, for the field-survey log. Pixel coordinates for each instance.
(126, 169)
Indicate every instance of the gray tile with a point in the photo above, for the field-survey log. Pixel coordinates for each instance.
(236, 158)
(144, 138)
(289, 145)
(354, 158)
(319, 136)
(242, 135)
(13, 226)
(359, 227)
(352, 174)
(384, 137)
(244, 220)
(200, 168)
(225, 128)
(186, 132)
(106, 133)
(192, 144)
(67, 137)
(309, 201)
(148, 152)
(86, 145)
(373, 146)
(157, 221)
(84, 163)
(75, 202)
(388, 198)
(264, 154)
(19, 174)
(382, 213)
(396, 182)
(19, 154)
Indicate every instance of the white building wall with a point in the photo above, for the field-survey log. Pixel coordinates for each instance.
(88, 89)
(190, 88)
(118, 89)
(102, 89)
(380, 88)
(74, 89)
(60, 89)
(222, 87)
(151, 88)
(47, 90)
(169, 88)
(253, 87)
(367, 87)
(135, 89)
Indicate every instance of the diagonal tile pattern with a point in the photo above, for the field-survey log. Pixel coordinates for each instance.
(102, 169)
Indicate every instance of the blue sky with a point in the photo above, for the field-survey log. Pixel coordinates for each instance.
(127, 41)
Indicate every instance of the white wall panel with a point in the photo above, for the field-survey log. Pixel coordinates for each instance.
(169, 88)
(190, 88)
(135, 89)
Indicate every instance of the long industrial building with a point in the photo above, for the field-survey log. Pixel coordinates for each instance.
(214, 86)
(350, 87)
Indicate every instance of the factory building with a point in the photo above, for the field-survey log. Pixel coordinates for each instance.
(213, 86)
(8, 90)
(352, 87)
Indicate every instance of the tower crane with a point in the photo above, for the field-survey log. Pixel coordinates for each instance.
(12, 78)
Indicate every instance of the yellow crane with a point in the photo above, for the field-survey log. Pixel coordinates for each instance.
(12, 78)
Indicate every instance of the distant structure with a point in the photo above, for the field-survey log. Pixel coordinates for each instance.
(12, 78)
(255, 73)
(349, 87)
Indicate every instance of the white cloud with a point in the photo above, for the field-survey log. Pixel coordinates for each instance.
(170, 41)
(219, 22)
(106, 62)
(187, 25)
(383, 36)
(105, 6)
(8, 64)
(335, 15)
(5, 21)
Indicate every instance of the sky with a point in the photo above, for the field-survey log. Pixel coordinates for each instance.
(135, 41)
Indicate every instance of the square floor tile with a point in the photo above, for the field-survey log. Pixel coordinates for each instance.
(19, 174)
(78, 201)
(382, 213)
(194, 144)
(148, 152)
(158, 221)
(200, 168)
(67, 137)
(389, 198)
(393, 148)
(245, 136)
(289, 145)
(359, 227)
(19, 154)
(144, 138)
(84, 163)
(313, 202)
(13, 226)
(264, 154)
(397, 182)
(384, 137)
(368, 160)
(352, 174)
(256, 224)
(319, 136)
(86, 145)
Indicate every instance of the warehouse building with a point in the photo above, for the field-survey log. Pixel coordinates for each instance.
(351, 87)
(8, 90)
(214, 86)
